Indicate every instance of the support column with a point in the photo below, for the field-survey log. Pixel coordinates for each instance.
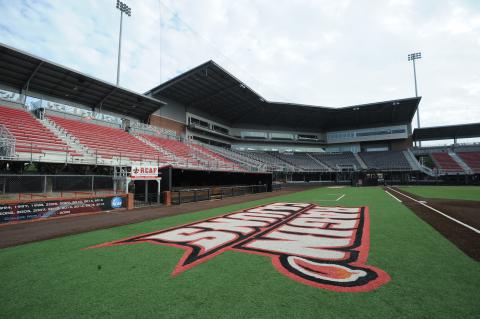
(146, 191)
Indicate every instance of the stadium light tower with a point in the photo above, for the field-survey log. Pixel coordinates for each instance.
(412, 57)
(128, 11)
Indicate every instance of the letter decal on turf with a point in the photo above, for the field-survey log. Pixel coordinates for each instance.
(324, 247)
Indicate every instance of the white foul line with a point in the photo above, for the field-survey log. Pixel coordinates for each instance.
(393, 196)
(437, 211)
(340, 198)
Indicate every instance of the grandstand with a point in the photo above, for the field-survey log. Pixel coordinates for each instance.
(31, 137)
(386, 161)
(107, 142)
(445, 162)
(339, 161)
(206, 123)
(472, 159)
(303, 161)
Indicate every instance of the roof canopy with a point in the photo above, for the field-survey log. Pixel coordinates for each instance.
(449, 132)
(23, 71)
(211, 89)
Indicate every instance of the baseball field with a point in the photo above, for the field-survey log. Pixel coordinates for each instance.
(392, 263)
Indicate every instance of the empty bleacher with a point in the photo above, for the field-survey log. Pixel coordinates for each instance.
(302, 161)
(321, 162)
(183, 155)
(215, 159)
(446, 163)
(108, 142)
(390, 160)
(238, 157)
(272, 162)
(338, 161)
(31, 136)
(472, 159)
(190, 155)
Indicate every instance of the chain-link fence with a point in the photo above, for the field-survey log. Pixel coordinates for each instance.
(16, 187)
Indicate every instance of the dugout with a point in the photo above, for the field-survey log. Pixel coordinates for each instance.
(176, 178)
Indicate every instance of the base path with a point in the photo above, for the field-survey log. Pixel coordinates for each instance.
(459, 214)
(26, 232)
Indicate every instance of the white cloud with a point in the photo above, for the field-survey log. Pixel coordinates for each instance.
(331, 53)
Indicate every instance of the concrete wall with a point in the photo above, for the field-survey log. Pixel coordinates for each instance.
(167, 123)
(172, 111)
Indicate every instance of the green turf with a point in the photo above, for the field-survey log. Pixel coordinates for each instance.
(431, 278)
(447, 192)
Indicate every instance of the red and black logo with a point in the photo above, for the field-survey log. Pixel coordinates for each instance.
(324, 247)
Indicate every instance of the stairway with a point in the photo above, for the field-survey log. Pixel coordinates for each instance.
(460, 162)
(360, 161)
(326, 167)
(87, 154)
(412, 161)
(416, 165)
(170, 157)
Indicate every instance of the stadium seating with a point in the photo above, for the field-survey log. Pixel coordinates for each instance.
(445, 162)
(472, 159)
(180, 151)
(215, 158)
(30, 135)
(108, 142)
(238, 157)
(191, 154)
(273, 162)
(391, 160)
(302, 161)
(338, 161)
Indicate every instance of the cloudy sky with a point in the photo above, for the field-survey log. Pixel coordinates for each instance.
(329, 53)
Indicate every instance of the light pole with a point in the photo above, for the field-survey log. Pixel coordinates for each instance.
(128, 11)
(412, 57)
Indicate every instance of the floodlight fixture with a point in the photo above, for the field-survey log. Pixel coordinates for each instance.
(412, 57)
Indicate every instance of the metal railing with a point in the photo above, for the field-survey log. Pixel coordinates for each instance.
(7, 143)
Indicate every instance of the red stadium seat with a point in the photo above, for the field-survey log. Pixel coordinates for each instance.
(30, 135)
(472, 159)
(108, 142)
(445, 162)
(191, 154)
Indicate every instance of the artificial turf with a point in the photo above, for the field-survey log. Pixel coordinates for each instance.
(430, 277)
(446, 192)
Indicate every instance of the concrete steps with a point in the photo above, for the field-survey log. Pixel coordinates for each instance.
(360, 161)
(325, 167)
(460, 162)
(88, 155)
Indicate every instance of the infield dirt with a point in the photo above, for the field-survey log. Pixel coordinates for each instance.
(466, 211)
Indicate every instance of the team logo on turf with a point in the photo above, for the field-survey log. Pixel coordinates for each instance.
(324, 247)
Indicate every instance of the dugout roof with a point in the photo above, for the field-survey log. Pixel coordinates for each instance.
(211, 89)
(448, 132)
(23, 71)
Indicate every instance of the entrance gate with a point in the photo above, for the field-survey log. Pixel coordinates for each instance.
(137, 180)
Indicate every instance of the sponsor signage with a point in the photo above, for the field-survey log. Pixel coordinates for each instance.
(323, 247)
(144, 171)
(46, 209)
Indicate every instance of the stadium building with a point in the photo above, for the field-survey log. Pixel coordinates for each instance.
(206, 128)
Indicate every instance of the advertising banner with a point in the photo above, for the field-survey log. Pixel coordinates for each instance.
(52, 208)
(144, 172)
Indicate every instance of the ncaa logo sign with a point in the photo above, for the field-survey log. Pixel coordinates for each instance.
(117, 202)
